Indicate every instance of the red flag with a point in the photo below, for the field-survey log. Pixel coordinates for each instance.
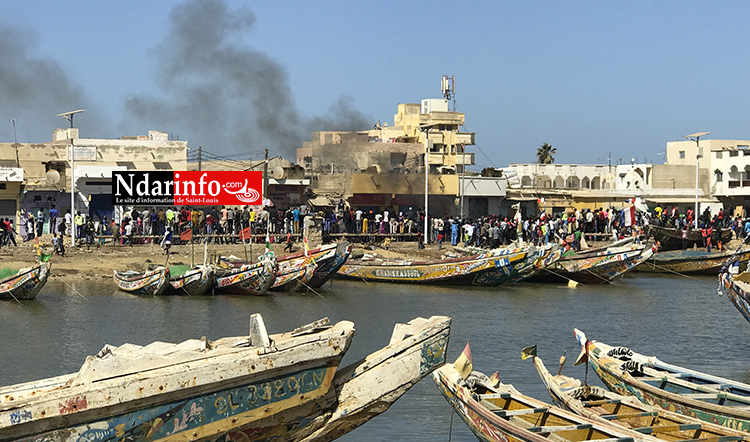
(186, 235)
(246, 233)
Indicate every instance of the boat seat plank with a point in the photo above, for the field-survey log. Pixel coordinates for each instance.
(507, 413)
(555, 429)
(495, 396)
(701, 396)
(719, 439)
(600, 402)
(668, 428)
(629, 415)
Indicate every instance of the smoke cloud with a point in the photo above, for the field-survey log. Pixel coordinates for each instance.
(225, 96)
(34, 90)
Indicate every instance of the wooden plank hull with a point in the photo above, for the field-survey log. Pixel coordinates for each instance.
(671, 238)
(691, 262)
(151, 283)
(699, 395)
(249, 279)
(738, 293)
(26, 284)
(195, 390)
(294, 272)
(483, 270)
(607, 407)
(325, 271)
(227, 389)
(195, 282)
(502, 414)
(598, 269)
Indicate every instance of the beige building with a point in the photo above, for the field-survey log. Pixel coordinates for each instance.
(384, 167)
(47, 169)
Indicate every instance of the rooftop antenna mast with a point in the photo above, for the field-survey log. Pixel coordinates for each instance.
(69, 116)
(448, 86)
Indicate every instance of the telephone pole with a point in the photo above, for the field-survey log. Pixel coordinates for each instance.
(199, 157)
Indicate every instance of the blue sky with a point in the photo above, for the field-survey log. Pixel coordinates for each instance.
(589, 78)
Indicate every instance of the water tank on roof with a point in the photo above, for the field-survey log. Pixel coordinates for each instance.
(434, 105)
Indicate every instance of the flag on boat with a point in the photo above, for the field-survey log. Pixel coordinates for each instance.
(495, 379)
(246, 233)
(304, 240)
(463, 364)
(186, 235)
(583, 341)
(627, 216)
(528, 352)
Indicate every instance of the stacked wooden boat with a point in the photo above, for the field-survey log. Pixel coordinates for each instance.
(487, 269)
(24, 284)
(494, 411)
(671, 387)
(596, 266)
(607, 407)
(253, 387)
(670, 238)
(697, 262)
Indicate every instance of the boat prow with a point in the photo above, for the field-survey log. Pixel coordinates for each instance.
(26, 283)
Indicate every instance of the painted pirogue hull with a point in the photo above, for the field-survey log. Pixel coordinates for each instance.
(196, 390)
(607, 407)
(249, 279)
(738, 293)
(536, 262)
(25, 284)
(481, 270)
(326, 270)
(370, 386)
(691, 262)
(151, 283)
(597, 269)
(656, 383)
(194, 282)
(671, 238)
(294, 272)
(502, 414)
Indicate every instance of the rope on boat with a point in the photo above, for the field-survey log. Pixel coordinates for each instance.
(661, 269)
(561, 276)
(14, 297)
(729, 262)
(450, 430)
(75, 291)
(311, 289)
(602, 278)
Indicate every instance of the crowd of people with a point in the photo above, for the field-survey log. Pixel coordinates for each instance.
(243, 223)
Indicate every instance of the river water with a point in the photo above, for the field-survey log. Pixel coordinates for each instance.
(680, 320)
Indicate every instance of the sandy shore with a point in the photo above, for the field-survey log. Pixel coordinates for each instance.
(98, 262)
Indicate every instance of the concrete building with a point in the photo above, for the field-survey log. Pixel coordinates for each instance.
(47, 168)
(384, 167)
(724, 165)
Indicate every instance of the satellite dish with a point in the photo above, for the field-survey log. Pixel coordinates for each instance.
(52, 177)
(278, 173)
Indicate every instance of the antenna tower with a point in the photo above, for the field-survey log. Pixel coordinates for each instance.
(448, 86)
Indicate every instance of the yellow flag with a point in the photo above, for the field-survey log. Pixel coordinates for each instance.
(463, 364)
(528, 352)
(495, 379)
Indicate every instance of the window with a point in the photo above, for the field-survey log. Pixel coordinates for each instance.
(129, 164)
(162, 165)
(719, 175)
(682, 154)
(2, 186)
(719, 155)
(733, 153)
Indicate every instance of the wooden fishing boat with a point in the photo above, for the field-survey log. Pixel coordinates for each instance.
(737, 288)
(325, 270)
(671, 238)
(245, 388)
(596, 268)
(150, 283)
(691, 262)
(689, 392)
(497, 412)
(607, 407)
(294, 272)
(484, 270)
(247, 279)
(24, 284)
(196, 281)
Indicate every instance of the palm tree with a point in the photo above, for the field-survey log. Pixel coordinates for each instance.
(544, 155)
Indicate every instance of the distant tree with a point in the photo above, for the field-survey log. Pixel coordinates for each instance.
(544, 155)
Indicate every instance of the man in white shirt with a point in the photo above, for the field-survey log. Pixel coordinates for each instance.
(358, 219)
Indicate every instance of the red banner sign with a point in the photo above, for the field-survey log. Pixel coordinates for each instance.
(190, 188)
